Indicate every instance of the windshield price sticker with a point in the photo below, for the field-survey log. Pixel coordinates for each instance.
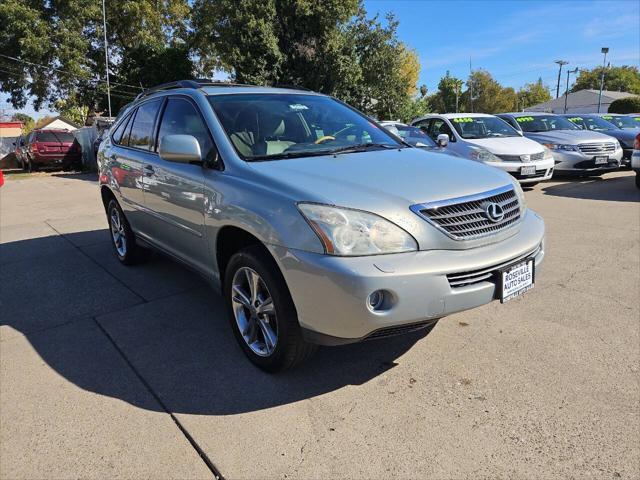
(298, 106)
(607, 117)
(463, 120)
(524, 119)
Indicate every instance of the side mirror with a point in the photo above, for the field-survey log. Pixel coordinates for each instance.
(443, 140)
(180, 148)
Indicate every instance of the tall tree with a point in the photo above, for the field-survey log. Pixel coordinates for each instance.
(625, 79)
(532, 94)
(488, 95)
(444, 100)
(27, 121)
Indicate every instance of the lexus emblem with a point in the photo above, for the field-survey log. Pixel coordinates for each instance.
(493, 212)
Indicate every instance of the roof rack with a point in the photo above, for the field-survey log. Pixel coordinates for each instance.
(195, 84)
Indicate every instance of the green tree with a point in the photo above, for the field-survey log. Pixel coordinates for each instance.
(624, 79)
(60, 45)
(625, 105)
(532, 94)
(488, 95)
(26, 120)
(444, 100)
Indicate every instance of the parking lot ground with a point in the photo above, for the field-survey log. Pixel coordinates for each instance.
(109, 371)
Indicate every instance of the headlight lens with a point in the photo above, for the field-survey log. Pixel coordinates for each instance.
(482, 155)
(548, 155)
(521, 200)
(346, 232)
(558, 146)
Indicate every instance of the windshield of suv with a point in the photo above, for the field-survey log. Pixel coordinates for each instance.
(483, 127)
(415, 137)
(276, 126)
(51, 136)
(544, 123)
(622, 121)
(592, 123)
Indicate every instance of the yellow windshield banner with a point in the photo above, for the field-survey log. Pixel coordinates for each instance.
(524, 119)
(463, 120)
(575, 119)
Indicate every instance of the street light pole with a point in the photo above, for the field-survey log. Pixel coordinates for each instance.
(106, 54)
(561, 63)
(566, 92)
(604, 50)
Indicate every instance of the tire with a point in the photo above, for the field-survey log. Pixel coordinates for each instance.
(278, 318)
(123, 239)
(638, 179)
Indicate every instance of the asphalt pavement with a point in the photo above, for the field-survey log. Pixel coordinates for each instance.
(109, 371)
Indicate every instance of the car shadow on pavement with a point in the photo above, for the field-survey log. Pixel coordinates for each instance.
(618, 189)
(168, 325)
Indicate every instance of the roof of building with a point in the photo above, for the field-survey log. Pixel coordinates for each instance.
(61, 118)
(584, 99)
(11, 124)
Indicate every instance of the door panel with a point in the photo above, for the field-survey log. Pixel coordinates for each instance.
(174, 192)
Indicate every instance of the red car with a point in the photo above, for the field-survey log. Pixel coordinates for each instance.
(51, 149)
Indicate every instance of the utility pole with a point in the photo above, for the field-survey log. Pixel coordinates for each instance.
(566, 92)
(457, 93)
(604, 50)
(561, 63)
(470, 85)
(106, 54)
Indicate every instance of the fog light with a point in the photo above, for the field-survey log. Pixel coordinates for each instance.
(380, 301)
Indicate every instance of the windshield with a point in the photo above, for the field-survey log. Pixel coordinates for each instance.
(592, 123)
(50, 136)
(274, 126)
(621, 121)
(545, 123)
(483, 127)
(414, 136)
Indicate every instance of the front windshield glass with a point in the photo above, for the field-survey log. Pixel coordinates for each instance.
(483, 127)
(622, 121)
(592, 123)
(414, 136)
(544, 123)
(274, 126)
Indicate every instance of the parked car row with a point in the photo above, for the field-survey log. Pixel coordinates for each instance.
(531, 146)
(47, 149)
(318, 225)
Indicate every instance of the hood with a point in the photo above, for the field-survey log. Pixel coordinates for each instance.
(624, 136)
(385, 182)
(506, 145)
(568, 137)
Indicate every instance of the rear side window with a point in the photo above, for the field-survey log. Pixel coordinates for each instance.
(117, 135)
(181, 118)
(141, 136)
(65, 137)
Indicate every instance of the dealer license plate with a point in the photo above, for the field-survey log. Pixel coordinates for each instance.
(517, 279)
(528, 170)
(602, 160)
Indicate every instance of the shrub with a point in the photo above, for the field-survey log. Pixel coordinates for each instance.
(625, 105)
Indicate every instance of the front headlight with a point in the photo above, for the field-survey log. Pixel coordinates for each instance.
(482, 155)
(521, 200)
(547, 154)
(347, 232)
(559, 146)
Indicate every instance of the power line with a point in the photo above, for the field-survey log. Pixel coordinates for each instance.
(137, 88)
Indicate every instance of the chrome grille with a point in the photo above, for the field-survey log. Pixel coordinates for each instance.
(462, 279)
(466, 218)
(534, 157)
(596, 148)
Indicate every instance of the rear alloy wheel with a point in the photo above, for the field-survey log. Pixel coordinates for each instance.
(262, 314)
(123, 238)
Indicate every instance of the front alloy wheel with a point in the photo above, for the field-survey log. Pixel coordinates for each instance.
(254, 312)
(123, 238)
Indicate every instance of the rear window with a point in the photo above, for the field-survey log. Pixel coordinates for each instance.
(54, 137)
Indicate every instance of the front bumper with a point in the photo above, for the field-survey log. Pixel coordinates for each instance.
(544, 170)
(577, 162)
(330, 293)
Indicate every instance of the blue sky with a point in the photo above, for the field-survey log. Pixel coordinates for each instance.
(516, 40)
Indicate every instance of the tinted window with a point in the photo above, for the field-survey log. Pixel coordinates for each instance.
(544, 123)
(141, 135)
(482, 127)
(439, 126)
(180, 117)
(46, 137)
(65, 137)
(117, 135)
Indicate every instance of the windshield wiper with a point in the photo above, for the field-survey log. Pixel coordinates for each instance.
(361, 147)
(284, 155)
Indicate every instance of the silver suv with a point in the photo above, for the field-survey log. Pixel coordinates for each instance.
(316, 224)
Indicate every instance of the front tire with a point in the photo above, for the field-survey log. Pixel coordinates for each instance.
(262, 314)
(638, 178)
(122, 237)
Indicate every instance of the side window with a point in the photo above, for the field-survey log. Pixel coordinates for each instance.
(440, 126)
(180, 117)
(511, 122)
(423, 125)
(117, 135)
(141, 136)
